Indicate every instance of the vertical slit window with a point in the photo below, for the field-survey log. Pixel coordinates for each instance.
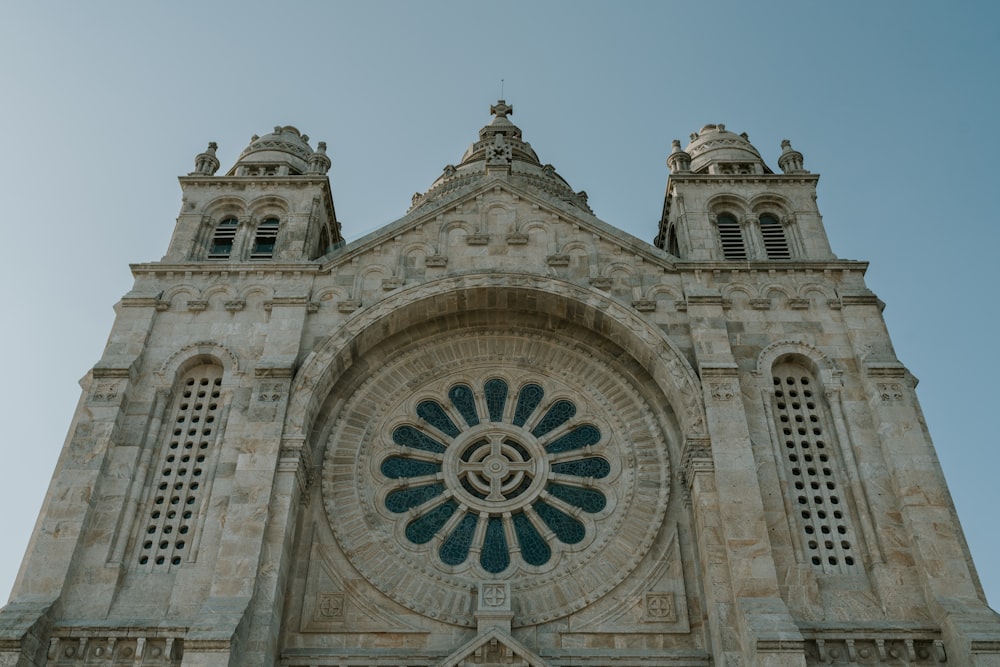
(673, 247)
(730, 237)
(807, 450)
(264, 239)
(773, 234)
(176, 493)
(223, 239)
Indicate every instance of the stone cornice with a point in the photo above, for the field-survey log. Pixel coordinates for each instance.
(236, 269)
(263, 181)
(734, 266)
(744, 178)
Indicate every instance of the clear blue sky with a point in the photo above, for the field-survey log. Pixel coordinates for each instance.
(104, 104)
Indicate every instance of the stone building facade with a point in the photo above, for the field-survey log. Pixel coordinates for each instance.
(499, 431)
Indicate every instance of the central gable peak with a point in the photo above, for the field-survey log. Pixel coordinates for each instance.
(500, 153)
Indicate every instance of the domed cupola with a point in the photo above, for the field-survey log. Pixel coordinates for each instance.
(501, 152)
(715, 150)
(284, 152)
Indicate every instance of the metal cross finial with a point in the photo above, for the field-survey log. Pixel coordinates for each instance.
(501, 109)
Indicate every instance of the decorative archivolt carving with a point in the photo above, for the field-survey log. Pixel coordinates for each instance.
(192, 298)
(199, 352)
(646, 342)
(827, 372)
(225, 206)
(761, 297)
(269, 204)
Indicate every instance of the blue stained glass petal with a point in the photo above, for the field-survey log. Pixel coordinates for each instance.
(558, 414)
(527, 400)
(566, 528)
(432, 413)
(578, 438)
(395, 467)
(402, 500)
(534, 550)
(464, 401)
(422, 529)
(455, 549)
(589, 500)
(407, 436)
(496, 398)
(588, 467)
(495, 556)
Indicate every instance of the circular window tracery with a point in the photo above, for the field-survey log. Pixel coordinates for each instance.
(504, 484)
(429, 487)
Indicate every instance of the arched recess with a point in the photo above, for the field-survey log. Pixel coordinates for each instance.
(831, 528)
(205, 352)
(551, 297)
(420, 361)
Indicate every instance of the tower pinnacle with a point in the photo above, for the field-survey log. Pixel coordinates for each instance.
(501, 109)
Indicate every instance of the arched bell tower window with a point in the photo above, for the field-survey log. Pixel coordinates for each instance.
(223, 239)
(730, 237)
(264, 239)
(773, 235)
(673, 247)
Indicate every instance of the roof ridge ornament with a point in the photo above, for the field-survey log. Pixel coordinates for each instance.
(501, 109)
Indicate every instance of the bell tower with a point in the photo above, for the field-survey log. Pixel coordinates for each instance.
(724, 203)
(279, 207)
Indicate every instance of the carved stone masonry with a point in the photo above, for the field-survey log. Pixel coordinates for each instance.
(723, 391)
(493, 605)
(434, 261)
(329, 606)
(269, 392)
(660, 607)
(890, 391)
(105, 392)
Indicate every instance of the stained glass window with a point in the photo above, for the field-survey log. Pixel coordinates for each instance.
(432, 413)
(558, 414)
(464, 400)
(527, 400)
(408, 436)
(495, 556)
(496, 398)
(494, 475)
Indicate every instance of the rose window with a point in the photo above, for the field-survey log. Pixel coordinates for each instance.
(494, 477)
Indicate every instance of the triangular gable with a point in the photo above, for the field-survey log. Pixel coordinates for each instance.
(545, 202)
(495, 647)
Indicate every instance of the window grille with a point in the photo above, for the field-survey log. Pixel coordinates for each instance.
(731, 238)
(808, 453)
(264, 240)
(223, 239)
(176, 492)
(775, 243)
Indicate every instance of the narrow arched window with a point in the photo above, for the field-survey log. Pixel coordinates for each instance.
(190, 432)
(672, 246)
(730, 237)
(223, 239)
(264, 239)
(806, 443)
(773, 234)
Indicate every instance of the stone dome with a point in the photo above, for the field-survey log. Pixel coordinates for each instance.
(286, 146)
(501, 148)
(714, 144)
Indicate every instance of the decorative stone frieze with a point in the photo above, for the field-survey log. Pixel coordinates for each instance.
(436, 261)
